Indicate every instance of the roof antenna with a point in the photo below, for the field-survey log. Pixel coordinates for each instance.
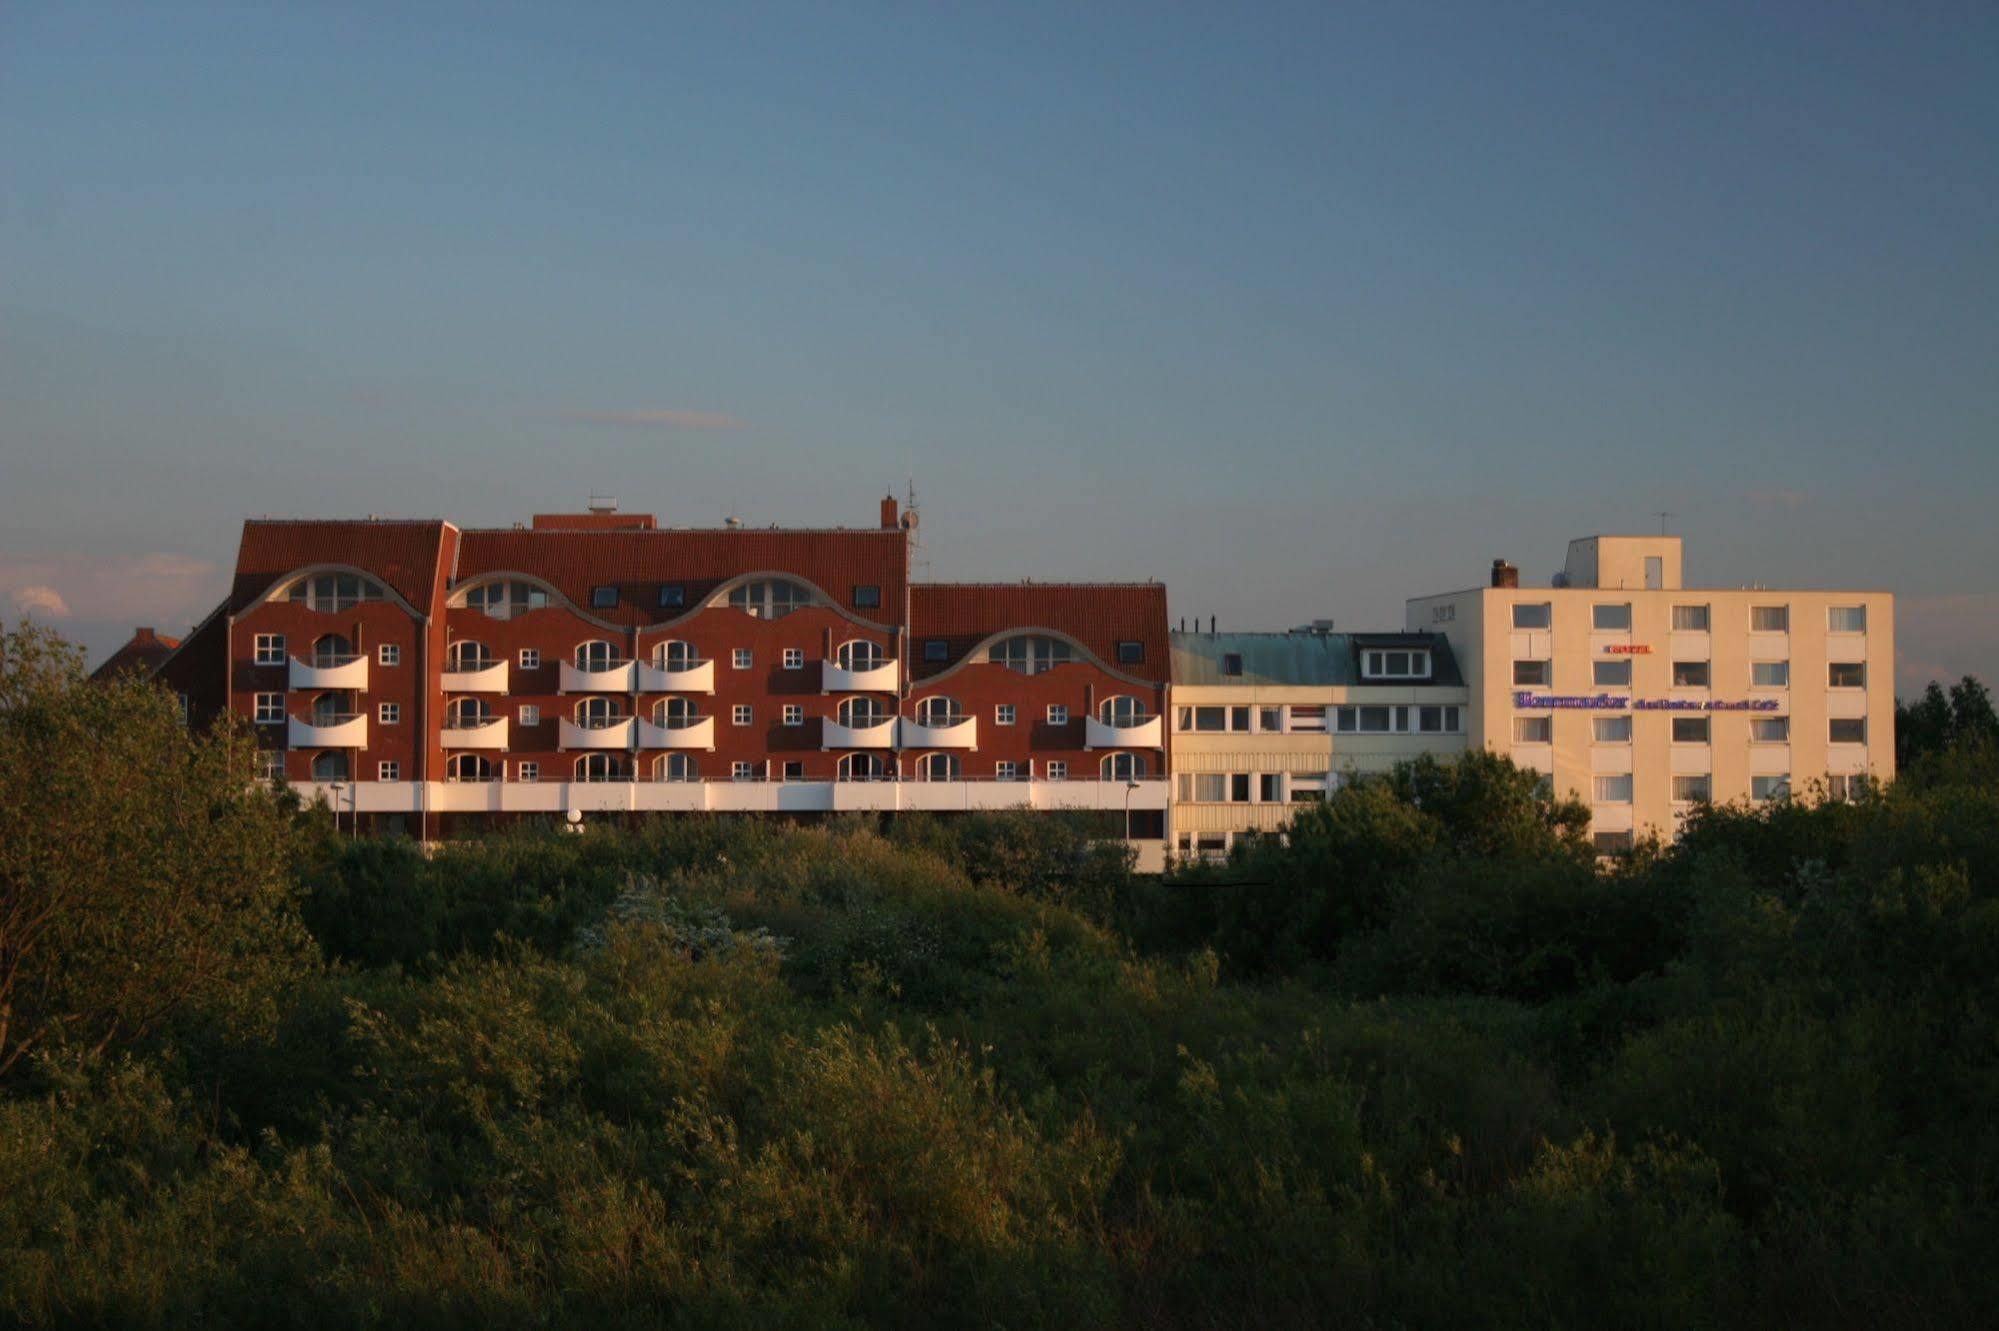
(1662, 515)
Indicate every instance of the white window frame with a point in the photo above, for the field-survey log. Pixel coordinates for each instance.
(530, 714)
(389, 713)
(1058, 770)
(268, 649)
(530, 658)
(270, 764)
(1006, 770)
(794, 658)
(1058, 714)
(794, 714)
(742, 714)
(742, 771)
(388, 770)
(268, 709)
(1003, 714)
(741, 658)
(389, 654)
(527, 771)
(1374, 663)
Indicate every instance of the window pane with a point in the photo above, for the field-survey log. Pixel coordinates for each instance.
(1770, 618)
(1612, 674)
(1770, 674)
(1537, 616)
(1846, 675)
(1533, 729)
(1690, 730)
(1611, 729)
(1690, 674)
(1847, 619)
(1770, 729)
(1530, 672)
(1611, 617)
(1690, 618)
(1843, 730)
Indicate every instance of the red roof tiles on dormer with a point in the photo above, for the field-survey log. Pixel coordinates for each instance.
(1099, 615)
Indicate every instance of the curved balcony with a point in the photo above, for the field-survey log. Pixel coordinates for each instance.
(880, 735)
(617, 735)
(615, 678)
(327, 731)
(489, 679)
(962, 733)
(484, 735)
(330, 672)
(836, 678)
(696, 678)
(1140, 734)
(696, 735)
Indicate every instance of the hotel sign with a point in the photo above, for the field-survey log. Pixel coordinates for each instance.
(1526, 701)
(1629, 649)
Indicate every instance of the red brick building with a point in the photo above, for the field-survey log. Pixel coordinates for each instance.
(416, 674)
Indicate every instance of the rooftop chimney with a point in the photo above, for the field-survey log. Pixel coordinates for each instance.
(891, 513)
(145, 634)
(1504, 574)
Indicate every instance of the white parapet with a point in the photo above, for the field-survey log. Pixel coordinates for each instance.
(345, 732)
(489, 735)
(1141, 735)
(611, 679)
(617, 735)
(836, 678)
(492, 679)
(347, 672)
(695, 735)
(697, 678)
(960, 734)
(881, 735)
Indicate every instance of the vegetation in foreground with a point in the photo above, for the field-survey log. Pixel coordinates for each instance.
(1429, 1065)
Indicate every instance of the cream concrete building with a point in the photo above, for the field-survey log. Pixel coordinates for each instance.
(1264, 721)
(1643, 697)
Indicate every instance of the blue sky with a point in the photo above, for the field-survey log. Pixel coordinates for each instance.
(1303, 310)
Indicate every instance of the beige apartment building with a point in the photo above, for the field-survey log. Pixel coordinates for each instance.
(1644, 697)
(1265, 721)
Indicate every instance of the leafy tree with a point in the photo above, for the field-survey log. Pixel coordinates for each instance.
(1948, 738)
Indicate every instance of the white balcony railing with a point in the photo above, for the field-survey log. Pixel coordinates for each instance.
(616, 735)
(328, 731)
(698, 677)
(480, 735)
(1140, 734)
(942, 733)
(880, 735)
(699, 734)
(330, 672)
(484, 679)
(836, 678)
(616, 677)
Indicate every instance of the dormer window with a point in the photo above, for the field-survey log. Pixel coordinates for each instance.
(1131, 653)
(672, 596)
(1394, 663)
(1030, 653)
(771, 598)
(603, 598)
(505, 599)
(868, 596)
(335, 591)
(936, 650)
(1232, 664)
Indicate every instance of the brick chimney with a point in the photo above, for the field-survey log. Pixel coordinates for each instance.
(891, 513)
(1504, 574)
(145, 637)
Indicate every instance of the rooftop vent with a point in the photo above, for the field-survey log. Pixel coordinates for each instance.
(603, 504)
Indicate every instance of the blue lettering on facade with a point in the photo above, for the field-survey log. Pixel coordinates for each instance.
(1527, 701)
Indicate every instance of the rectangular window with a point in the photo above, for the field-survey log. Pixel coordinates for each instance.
(740, 771)
(529, 772)
(1270, 720)
(1769, 788)
(1691, 674)
(794, 770)
(1769, 729)
(1611, 674)
(936, 649)
(270, 764)
(1847, 730)
(1692, 789)
(1690, 619)
(1003, 771)
(1394, 665)
(389, 713)
(739, 659)
(1232, 664)
(1309, 719)
(1612, 843)
(388, 771)
(1846, 619)
(530, 714)
(1203, 718)
(1613, 789)
(672, 596)
(603, 598)
(389, 654)
(1537, 615)
(1845, 788)
(1374, 720)
(1130, 653)
(1610, 729)
(1690, 730)
(1769, 619)
(1533, 729)
(1532, 672)
(1267, 786)
(1611, 618)
(1846, 675)
(868, 596)
(740, 714)
(270, 709)
(1239, 719)
(1058, 714)
(1204, 787)
(793, 658)
(1003, 714)
(530, 658)
(794, 715)
(270, 649)
(1437, 720)
(1769, 674)
(1058, 770)
(1239, 787)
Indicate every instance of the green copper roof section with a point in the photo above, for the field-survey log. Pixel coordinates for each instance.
(1298, 658)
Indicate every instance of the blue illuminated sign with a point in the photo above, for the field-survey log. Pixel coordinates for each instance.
(1614, 702)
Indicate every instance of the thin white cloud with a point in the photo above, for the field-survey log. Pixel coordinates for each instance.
(656, 420)
(148, 588)
(41, 603)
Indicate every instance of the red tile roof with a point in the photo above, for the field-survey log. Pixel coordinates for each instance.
(405, 555)
(141, 654)
(1098, 614)
(639, 562)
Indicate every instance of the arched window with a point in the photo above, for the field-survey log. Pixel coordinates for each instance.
(332, 709)
(859, 654)
(467, 714)
(1123, 767)
(769, 598)
(939, 711)
(1030, 653)
(859, 713)
(864, 767)
(334, 591)
(604, 767)
(675, 655)
(506, 599)
(468, 767)
(1123, 710)
(599, 713)
(939, 767)
(596, 655)
(675, 713)
(330, 766)
(466, 655)
(675, 767)
(331, 649)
